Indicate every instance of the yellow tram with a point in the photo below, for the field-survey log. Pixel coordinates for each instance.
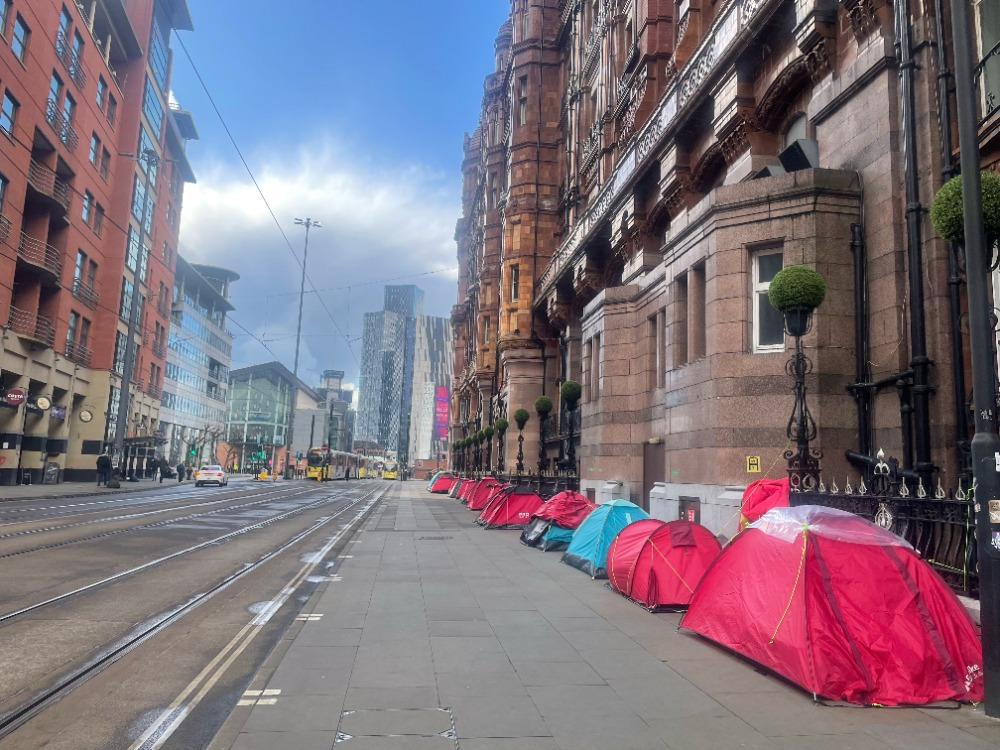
(323, 465)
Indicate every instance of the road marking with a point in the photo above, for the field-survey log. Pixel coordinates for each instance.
(181, 707)
(309, 618)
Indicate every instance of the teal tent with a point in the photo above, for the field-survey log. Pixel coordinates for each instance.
(588, 549)
(556, 538)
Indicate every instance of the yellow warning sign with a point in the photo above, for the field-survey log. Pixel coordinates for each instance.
(753, 464)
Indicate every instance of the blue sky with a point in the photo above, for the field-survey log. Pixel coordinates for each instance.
(346, 114)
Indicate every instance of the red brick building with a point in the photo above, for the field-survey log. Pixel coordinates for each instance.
(639, 172)
(89, 146)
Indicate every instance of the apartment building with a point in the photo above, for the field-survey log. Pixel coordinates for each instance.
(92, 170)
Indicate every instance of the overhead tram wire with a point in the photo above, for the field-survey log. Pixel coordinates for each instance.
(246, 166)
(368, 283)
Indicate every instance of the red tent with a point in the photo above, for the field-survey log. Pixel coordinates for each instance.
(658, 564)
(456, 487)
(482, 491)
(482, 499)
(511, 508)
(841, 607)
(760, 496)
(566, 509)
(443, 483)
(465, 489)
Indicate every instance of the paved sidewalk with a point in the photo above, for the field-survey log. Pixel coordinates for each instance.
(433, 633)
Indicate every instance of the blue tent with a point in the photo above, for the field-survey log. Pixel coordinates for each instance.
(588, 549)
(556, 538)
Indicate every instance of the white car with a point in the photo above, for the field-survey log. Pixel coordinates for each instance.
(210, 475)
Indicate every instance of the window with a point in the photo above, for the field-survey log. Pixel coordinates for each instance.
(105, 164)
(152, 109)
(486, 330)
(493, 191)
(55, 97)
(98, 219)
(596, 366)
(76, 62)
(132, 249)
(515, 283)
(62, 37)
(121, 341)
(522, 103)
(125, 305)
(74, 321)
(158, 58)
(768, 324)
(525, 20)
(148, 164)
(84, 331)
(95, 148)
(102, 92)
(88, 206)
(988, 36)
(680, 321)
(654, 353)
(3, 191)
(4, 12)
(138, 197)
(143, 263)
(19, 42)
(81, 264)
(112, 109)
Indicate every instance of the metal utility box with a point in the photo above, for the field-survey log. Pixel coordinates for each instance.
(690, 509)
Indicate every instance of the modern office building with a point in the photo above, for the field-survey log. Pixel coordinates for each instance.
(432, 362)
(638, 174)
(386, 382)
(340, 415)
(199, 353)
(92, 170)
(259, 416)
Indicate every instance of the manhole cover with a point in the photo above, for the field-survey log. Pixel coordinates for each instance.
(399, 727)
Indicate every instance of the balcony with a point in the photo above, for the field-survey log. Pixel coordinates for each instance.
(41, 256)
(159, 349)
(85, 293)
(46, 184)
(5, 225)
(76, 352)
(32, 326)
(154, 391)
(987, 82)
(63, 127)
(70, 60)
(163, 308)
(219, 396)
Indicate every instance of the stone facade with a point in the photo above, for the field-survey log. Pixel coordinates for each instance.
(646, 166)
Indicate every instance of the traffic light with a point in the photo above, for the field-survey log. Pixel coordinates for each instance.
(192, 449)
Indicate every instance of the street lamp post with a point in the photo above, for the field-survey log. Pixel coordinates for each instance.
(289, 455)
(152, 159)
(985, 442)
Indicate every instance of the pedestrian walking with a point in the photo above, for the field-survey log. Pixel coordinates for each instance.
(164, 467)
(103, 469)
(180, 472)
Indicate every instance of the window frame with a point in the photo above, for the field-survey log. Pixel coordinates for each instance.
(759, 288)
(23, 40)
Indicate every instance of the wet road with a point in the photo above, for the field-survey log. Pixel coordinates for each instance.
(137, 621)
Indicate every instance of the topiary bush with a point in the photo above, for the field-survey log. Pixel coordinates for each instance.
(543, 405)
(796, 287)
(501, 425)
(521, 416)
(571, 392)
(948, 214)
(488, 431)
(480, 436)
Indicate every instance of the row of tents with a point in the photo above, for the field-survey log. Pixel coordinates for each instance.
(822, 597)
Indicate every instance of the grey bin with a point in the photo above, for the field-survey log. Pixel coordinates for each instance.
(613, 489)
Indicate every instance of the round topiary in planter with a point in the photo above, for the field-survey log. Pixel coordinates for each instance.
(948, 215)
(570, 392)
(521, 417)
(796, 287)
(543, 405)
(488, 431)
(501, 425)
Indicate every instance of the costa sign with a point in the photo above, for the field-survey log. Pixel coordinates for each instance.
(14, 397)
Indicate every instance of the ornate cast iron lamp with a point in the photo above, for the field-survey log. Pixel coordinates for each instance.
(488, 432)
(571, 392)
(500, 425)
(543, 407)
(797, 291)
(521, 417)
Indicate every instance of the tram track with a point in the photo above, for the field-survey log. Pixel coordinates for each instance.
(270, 497)
(114, 650)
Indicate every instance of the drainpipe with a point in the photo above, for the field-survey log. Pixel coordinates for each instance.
(955, 280)
(862, 369)
(919, 362)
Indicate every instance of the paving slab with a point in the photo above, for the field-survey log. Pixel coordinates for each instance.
(429, 612)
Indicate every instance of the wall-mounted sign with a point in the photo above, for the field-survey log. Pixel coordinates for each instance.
(43, 402)
(32, 408)
(753, 464)
(14, 397)
(86, 415)
(57, 412)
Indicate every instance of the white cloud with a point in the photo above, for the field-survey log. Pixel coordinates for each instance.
(378, 223)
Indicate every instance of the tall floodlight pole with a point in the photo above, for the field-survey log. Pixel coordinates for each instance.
(985, 443)
(308, 224)
(152, 159)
